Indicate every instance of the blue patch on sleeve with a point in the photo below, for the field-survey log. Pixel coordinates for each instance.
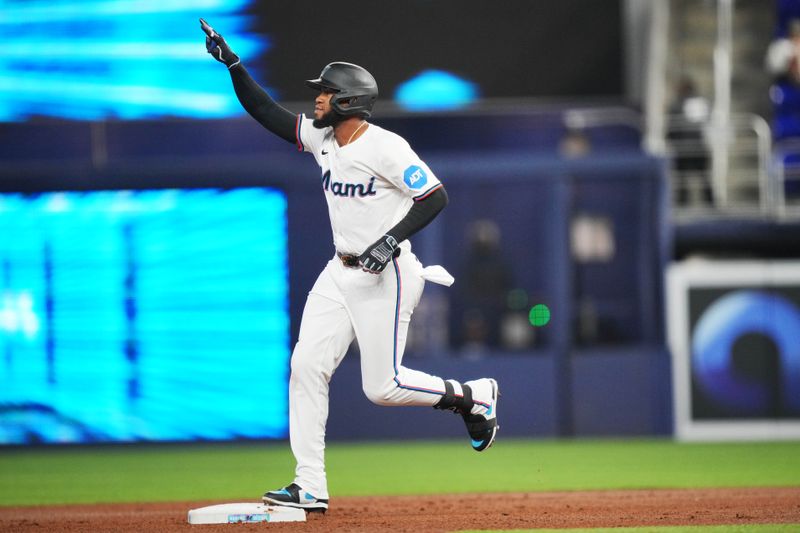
(415, 177)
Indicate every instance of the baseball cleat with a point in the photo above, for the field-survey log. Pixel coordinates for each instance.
(295, 496)
(482, 426)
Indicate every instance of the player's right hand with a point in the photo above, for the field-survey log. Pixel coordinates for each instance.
(217, 47)
(377, 256)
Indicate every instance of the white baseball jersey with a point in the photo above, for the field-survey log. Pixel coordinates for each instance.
(370, 184)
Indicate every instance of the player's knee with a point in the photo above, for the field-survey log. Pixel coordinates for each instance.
(302, 363)
(383, 394)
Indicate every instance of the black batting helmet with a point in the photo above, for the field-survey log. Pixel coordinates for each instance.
(351, 85)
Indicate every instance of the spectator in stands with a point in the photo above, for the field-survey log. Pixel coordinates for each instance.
(688, 116)
(488, 279)
(783, 64)
(574, 144)
(783, 55)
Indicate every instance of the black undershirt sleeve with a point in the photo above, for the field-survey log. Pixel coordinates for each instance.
(261, 106)
(420, 215)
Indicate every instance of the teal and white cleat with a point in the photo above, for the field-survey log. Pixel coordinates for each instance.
(295, 496)
(481, 421)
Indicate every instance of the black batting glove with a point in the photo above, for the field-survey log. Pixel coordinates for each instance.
(217, 47)
(377, 256)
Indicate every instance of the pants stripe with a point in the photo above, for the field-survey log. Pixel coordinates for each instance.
(396, 328)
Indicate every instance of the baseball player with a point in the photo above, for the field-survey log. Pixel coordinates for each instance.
(379, 193)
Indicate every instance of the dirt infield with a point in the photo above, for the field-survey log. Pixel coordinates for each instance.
(446, 513)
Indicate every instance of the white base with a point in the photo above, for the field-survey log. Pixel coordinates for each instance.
(234, 513)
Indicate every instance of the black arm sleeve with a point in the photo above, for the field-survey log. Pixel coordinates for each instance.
(420, 215)
(261, 106)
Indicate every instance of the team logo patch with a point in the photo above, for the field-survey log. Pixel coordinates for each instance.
(415, 177)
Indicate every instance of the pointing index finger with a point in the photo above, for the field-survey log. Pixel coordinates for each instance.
(207, 29)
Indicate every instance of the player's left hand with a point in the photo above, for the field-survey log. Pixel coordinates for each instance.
(217, 47)
(376, 257)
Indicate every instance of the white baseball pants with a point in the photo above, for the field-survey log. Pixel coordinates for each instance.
(347, 303)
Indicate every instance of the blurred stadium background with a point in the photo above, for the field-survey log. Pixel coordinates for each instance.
(633, 165)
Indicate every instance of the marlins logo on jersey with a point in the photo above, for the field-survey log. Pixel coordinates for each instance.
(339, 188)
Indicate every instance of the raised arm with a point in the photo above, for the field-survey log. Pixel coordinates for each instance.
(252, 96)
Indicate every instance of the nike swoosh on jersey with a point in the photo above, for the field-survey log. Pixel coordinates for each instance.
(324, 152)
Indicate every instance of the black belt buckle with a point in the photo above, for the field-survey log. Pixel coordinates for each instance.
(350, 261)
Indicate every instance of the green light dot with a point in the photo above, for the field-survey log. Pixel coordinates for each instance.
(539, 315)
